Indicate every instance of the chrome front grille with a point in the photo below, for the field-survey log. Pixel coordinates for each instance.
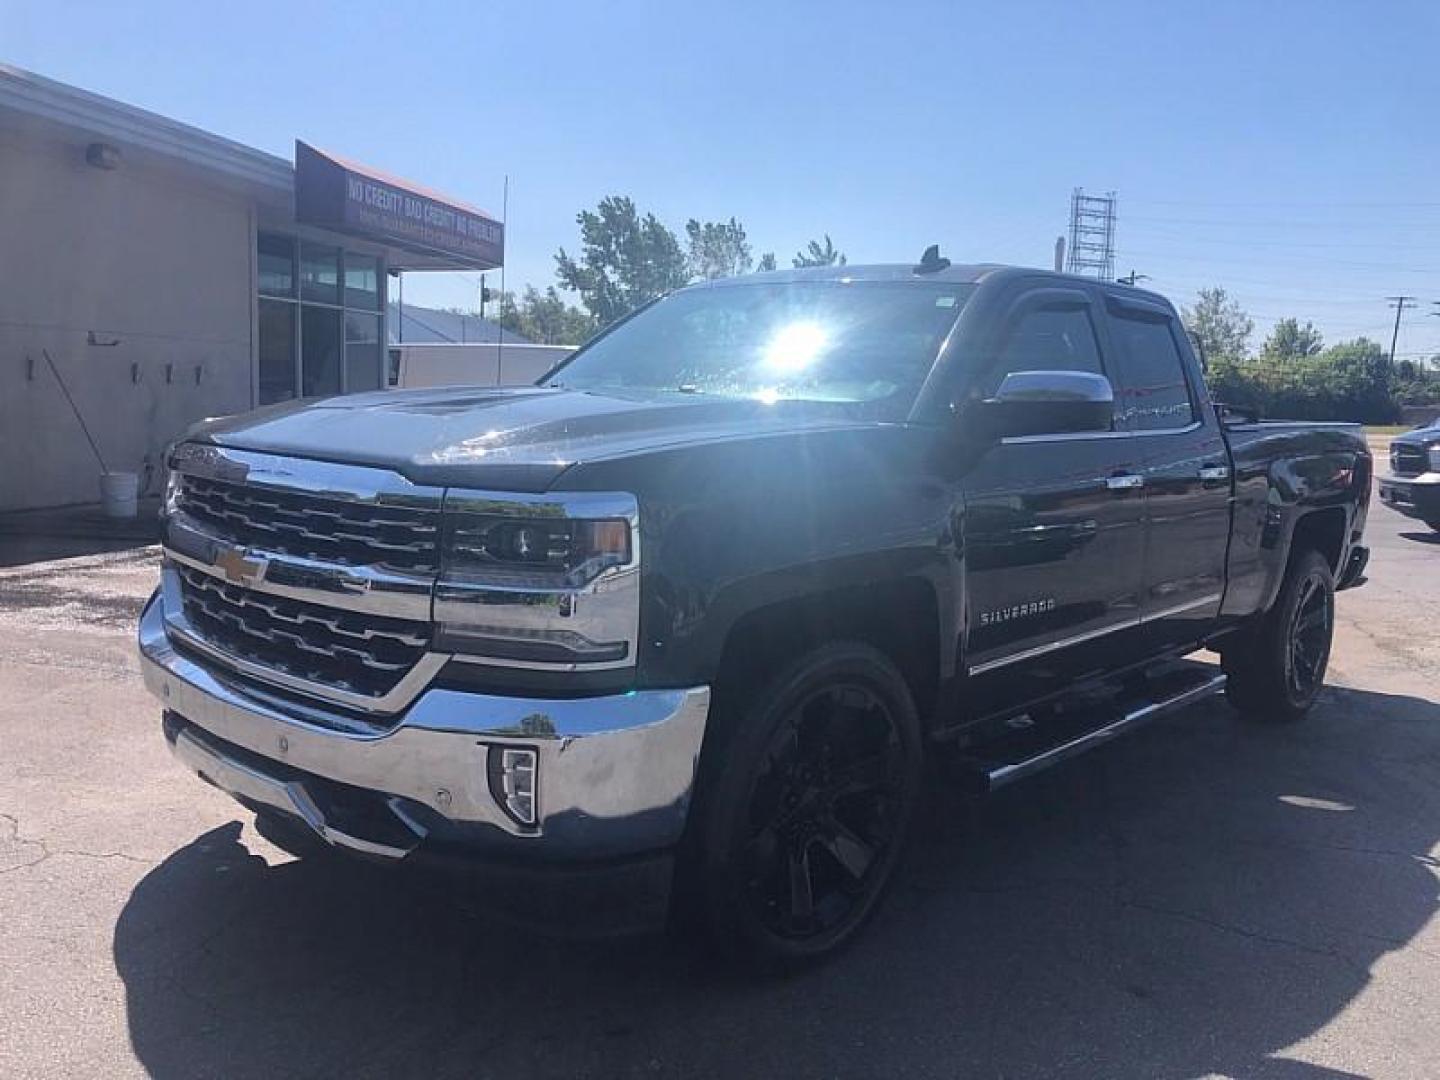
(313, 578)
(1408, 460)
(347, 651)
(313, 525)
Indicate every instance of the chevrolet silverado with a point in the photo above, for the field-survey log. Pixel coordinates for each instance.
(677, 627)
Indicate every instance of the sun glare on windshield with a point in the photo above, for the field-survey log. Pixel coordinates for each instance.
(794, 348)
(867, 344)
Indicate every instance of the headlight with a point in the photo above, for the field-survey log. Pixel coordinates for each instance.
(1434, 452)
(171, 502)
(540, 581)
(574, 551)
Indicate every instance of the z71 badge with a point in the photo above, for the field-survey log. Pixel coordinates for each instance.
(1017, 611)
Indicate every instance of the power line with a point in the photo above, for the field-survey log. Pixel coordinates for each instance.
(1320, 203)
(1189, 236)
(1298, 260)
(1274, 223)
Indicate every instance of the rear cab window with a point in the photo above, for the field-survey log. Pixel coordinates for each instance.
(1153, 393)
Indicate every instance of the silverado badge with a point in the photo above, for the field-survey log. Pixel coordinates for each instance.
(1017, 611)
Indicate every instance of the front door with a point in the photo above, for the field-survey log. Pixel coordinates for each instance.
(1052, 527)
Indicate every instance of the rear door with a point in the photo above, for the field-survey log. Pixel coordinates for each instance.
(1051, 525)
(1179, 452)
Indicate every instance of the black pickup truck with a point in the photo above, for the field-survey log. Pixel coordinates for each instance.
(677, 627)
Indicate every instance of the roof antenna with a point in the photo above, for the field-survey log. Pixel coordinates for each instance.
(932, 262)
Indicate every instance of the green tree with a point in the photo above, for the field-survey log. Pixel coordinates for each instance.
(625, 261)
(1220, 324)
(544, 318)
(1291, 341)
(817, 254)
(718, 249)
(1416, 382)
(766, 263)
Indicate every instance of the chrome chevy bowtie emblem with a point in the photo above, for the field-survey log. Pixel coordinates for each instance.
(239, 567)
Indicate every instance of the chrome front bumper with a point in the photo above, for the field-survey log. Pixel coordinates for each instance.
(1413, 496)
(614, 774)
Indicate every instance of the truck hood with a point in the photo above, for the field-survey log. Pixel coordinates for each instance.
(517, 439)
(1422, 437)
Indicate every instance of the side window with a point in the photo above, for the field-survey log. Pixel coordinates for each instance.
(1047, 339)
(1154, 395)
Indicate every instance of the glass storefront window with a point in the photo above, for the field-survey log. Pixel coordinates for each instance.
(320, 274)
(362, 351)
(320, 323)
(276, 265)
(320, 350)
(362, 281)
(277, 351)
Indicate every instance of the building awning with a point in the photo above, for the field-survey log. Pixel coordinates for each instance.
(431, 231)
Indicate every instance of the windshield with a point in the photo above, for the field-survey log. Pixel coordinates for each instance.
(869, 343)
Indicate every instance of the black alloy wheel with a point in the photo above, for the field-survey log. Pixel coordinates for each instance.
(1276, 668)
(812, 803)
(1311, 627)
(823, 810)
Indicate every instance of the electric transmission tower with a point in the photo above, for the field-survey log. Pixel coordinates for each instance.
(1092, 235)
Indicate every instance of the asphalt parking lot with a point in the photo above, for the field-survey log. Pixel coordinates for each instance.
(1203, 898)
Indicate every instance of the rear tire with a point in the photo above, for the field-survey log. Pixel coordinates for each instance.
(806, 804)
(1278, 668)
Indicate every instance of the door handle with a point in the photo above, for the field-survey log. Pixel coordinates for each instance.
(1212, 474)
(1125, 482)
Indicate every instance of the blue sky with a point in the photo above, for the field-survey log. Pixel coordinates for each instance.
(1288, 151)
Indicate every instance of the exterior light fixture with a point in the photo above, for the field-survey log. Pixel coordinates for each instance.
(102, 156)
(513, 781)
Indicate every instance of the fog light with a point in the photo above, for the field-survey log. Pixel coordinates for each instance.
(513, 781)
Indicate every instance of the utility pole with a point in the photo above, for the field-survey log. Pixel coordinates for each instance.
(1400, 304)
(1133, 278)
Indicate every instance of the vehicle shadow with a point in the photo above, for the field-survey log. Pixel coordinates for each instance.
(1430, 537)
(1192, 900)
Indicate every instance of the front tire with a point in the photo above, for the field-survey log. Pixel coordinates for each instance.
(808, 804)
(1276, 671)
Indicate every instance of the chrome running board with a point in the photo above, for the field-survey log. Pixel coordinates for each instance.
(1034, 751)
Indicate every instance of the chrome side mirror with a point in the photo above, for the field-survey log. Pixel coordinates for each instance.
(1049, 403)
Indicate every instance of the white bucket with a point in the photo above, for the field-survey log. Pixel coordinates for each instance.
(117, 493)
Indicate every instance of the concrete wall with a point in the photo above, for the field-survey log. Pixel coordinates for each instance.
(141, 256)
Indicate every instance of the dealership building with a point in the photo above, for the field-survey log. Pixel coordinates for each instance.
(158, 274)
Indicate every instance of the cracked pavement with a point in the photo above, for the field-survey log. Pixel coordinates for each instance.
(1202, 898)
